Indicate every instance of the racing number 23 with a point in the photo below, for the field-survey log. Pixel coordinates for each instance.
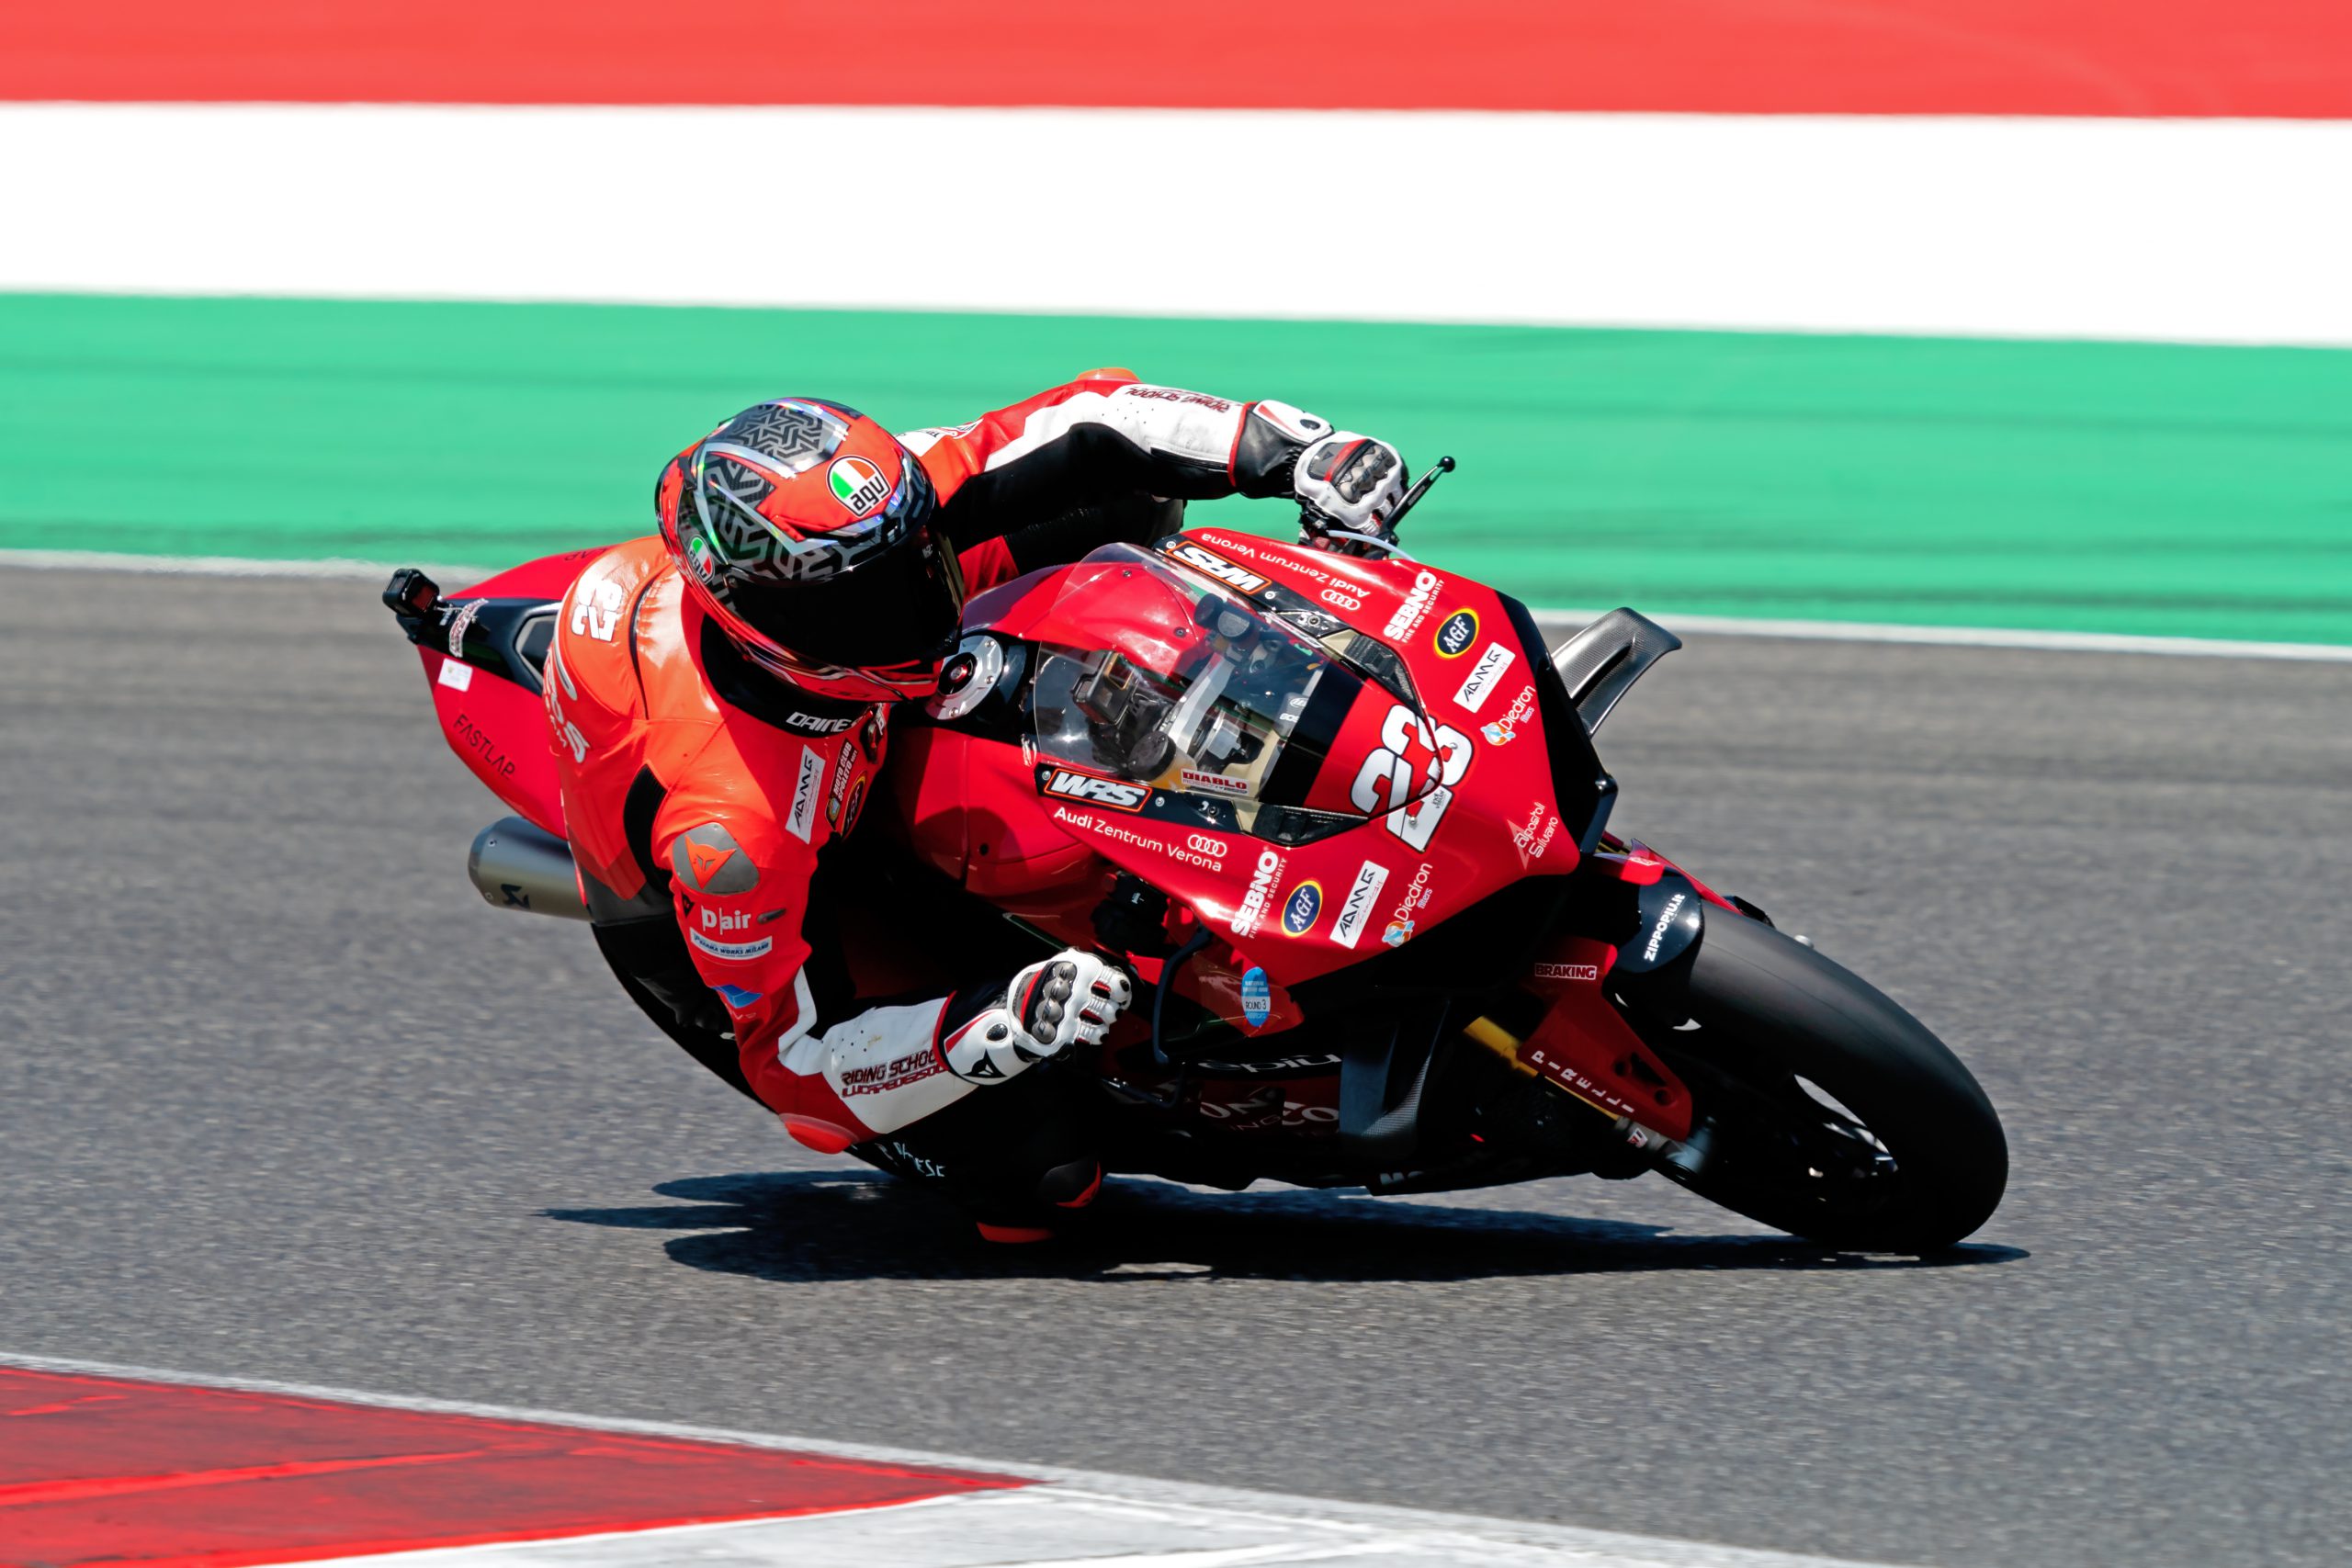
(1414, 759)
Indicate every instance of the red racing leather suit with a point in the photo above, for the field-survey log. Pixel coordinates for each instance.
(691, 782)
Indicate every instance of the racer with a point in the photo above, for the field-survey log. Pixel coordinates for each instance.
(720, 694)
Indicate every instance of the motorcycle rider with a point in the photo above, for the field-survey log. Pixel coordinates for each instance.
(719, 694)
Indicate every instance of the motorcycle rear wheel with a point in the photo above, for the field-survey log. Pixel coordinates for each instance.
(1835, 1114)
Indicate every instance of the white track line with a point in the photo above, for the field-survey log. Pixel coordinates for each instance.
(1703, 626)
(1982, 636)
(1074, 1519)
(2187, 230)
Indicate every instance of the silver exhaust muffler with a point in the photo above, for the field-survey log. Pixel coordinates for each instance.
(517, 866)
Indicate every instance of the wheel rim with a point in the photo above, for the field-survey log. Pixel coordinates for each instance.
(1793, 1139)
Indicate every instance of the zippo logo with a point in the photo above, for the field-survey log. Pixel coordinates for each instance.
(1117, 793)
(1485, 675)
(1355, 909)
(1261, 890)
(1303, 909)
(1241, 579)
(1455, 638)
(1414, 760)
(1414, 608)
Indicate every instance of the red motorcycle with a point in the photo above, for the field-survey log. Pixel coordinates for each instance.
(1345, 820)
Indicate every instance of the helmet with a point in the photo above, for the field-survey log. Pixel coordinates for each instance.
(805, 533)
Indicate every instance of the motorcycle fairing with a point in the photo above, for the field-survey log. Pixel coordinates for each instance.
(1583, 1044)
(1428, 813)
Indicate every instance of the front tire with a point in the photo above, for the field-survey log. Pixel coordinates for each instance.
(1835, 1114)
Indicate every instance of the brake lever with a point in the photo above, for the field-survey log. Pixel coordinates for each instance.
(1421, 488)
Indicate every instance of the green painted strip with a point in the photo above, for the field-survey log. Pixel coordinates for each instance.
(2111, 488)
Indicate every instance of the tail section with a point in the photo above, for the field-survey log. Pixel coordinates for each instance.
(482, 650)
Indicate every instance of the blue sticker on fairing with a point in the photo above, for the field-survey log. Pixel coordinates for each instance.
(1257, 998)
(737, 997)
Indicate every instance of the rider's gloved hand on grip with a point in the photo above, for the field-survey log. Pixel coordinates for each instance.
(1349, 487)
(1071, 999)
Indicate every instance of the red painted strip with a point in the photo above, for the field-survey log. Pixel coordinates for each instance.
(74, 1491)
(2272, 58)
(113, 1471)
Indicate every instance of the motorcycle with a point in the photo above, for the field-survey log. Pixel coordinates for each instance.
(1344, 820)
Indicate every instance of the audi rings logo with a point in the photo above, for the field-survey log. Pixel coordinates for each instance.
(1201, 843)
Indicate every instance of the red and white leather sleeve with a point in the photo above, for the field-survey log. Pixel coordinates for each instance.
(740, 891)
(1187, 438)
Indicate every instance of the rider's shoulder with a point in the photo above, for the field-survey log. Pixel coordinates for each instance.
(714, 813)
(599, 618)
(625, 568)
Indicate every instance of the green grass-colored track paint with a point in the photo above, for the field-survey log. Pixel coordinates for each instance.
(2095, 487)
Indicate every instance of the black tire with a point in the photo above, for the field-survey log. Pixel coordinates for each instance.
(1918, 1164)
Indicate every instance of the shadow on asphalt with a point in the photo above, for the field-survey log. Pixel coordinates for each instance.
(813, 1225)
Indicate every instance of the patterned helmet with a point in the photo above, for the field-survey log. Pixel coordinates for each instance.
(806, 532)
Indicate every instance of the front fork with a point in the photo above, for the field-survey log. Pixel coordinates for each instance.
(1637, 937)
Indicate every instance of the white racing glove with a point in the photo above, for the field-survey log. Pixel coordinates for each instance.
(1070, 998)
(1349, 487)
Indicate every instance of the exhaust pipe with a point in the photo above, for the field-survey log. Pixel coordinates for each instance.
(517, 866)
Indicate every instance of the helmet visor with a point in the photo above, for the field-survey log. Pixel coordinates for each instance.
(900, 607)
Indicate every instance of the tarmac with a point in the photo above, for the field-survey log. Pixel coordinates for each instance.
(281, 1097)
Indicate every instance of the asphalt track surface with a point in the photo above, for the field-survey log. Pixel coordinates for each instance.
(281, 1097)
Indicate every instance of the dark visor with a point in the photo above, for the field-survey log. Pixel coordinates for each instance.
(901, 604)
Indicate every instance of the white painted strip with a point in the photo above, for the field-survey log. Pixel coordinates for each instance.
(1074, 1520)
(2190, 230)
(1977, 637)
(1563, 621)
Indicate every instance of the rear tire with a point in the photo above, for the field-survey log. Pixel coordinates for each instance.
(1895, 1148)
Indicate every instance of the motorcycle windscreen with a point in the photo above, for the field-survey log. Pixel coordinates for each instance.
(1149, 673)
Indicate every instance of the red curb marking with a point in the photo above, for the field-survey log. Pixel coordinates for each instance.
(119, 1470)
(53, 1409)
(2261, 58)
(116, 1485)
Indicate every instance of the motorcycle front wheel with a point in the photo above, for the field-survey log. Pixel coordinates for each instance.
(1829, 1111)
